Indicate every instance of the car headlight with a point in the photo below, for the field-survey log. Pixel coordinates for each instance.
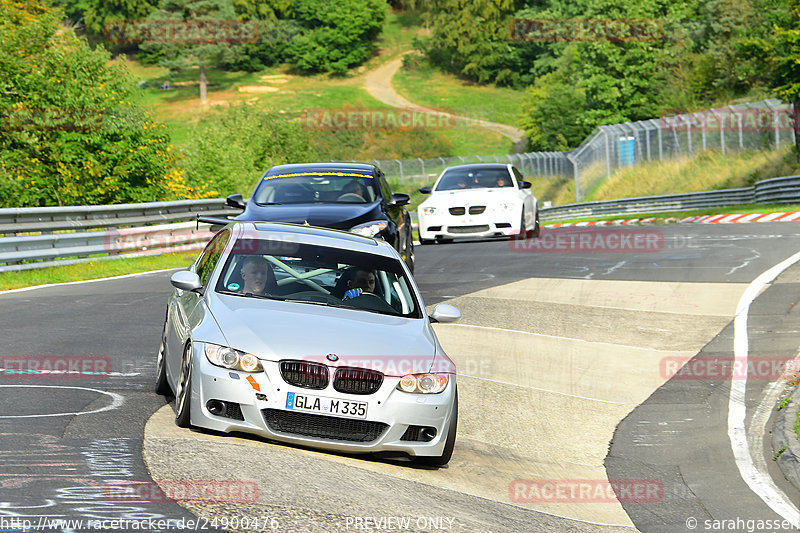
(370, 229)
(429, 210)
(232, 359)
(423, 383)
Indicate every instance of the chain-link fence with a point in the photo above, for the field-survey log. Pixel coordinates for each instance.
(753, 126)
(426, 170)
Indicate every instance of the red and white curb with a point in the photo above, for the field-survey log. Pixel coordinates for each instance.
(792, 216)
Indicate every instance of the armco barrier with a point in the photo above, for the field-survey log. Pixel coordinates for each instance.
(48, 236)
(783, 190)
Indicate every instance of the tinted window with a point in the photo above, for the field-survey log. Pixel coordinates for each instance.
(317, 186)
(474, 178)
(317, 275)
(210, 256)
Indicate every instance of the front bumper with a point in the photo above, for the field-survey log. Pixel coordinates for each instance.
(488, 224)
(395, 409)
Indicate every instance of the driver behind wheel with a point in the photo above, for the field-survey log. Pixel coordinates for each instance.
(361, 280)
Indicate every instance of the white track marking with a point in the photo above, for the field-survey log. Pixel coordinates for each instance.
(23, 289)
(116, 401)
(758, 481)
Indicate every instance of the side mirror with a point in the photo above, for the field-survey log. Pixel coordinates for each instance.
(425, 190)
(235, 200)
(186, 281)
(444, 313)
(399, 199)
(526, 185)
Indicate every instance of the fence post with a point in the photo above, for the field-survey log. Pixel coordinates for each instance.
(422, 164)
(401, 170)
(721, 130)
(741, 133)
(576, 176)
(608, 152)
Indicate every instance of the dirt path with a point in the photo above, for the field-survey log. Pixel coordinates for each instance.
(378, 83)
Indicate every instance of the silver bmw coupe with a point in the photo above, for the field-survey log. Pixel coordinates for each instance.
(309, 336)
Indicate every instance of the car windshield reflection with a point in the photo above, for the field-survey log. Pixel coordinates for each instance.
(318, 275)
(336, 186)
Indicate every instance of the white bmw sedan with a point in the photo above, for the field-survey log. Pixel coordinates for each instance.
(310, 336)
(478, 200)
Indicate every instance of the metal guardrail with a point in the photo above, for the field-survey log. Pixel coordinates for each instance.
(47, 236)
(782, 190)
(48, 219)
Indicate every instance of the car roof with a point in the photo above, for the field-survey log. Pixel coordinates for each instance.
(306, 167)
(480, 165)
(296, 233)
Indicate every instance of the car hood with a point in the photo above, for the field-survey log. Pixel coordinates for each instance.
(275, 330)
(336, 216)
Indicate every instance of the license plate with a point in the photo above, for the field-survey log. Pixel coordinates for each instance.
(326, 406)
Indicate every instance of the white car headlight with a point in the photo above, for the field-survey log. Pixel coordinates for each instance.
(370, 229)
(423, 383)
(429, 210)
(232, 359)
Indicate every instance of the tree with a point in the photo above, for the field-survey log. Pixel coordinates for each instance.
(335, 35)
(783, 53)
(70, 132)
(196, 33)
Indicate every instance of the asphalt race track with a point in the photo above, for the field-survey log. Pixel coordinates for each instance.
(567, 354)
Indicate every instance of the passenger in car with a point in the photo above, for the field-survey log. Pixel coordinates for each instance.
(257, 275)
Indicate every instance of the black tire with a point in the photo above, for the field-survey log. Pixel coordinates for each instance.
(409, 252)
(441, 240)
(183, 394)
(162, 384)
(423, 242)
(537, 230)
(450, 443)
(522, 235)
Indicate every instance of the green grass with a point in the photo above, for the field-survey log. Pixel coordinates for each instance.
(430, 88)
(94, 270)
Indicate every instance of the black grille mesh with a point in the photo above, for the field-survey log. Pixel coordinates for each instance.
(351, 380)
(323, 427)
(477, 209)
(457, 211)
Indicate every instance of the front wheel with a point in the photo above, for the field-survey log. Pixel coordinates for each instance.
(162, 385)
(183, 396)
(450, 443)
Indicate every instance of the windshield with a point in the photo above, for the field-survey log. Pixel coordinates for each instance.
(472, 178)
(318, 275)
(317, 186)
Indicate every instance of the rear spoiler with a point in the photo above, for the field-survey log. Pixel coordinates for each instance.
(216, 222)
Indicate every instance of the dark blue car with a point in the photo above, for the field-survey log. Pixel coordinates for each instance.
(354, 197)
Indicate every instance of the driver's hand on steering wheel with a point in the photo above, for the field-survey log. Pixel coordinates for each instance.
(352, 293)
